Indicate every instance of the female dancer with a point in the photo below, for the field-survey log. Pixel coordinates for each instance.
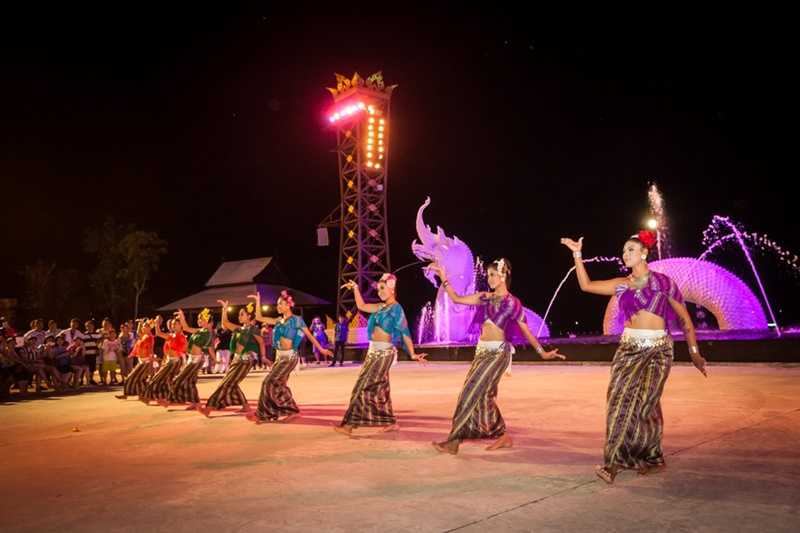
(184, 388)
(275, 400)
(477, 415)
(143, 349)
(371, 402)
(647, 300)
(174, 352)
(245, 341)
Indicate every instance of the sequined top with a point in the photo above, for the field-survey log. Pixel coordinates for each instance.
(504, 312)
(291, 328)
(392, 320)
(246, 337)
(143, 349)
(176, 344)
(653, 297)
(200, 338)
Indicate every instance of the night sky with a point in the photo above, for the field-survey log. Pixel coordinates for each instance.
(208, 127)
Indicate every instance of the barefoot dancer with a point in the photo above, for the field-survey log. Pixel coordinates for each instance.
(275, 401)
(371, 402)
(136, 382)
(244, 343)
(647, 300)
(477, 415)
(174, 353)
(184, 388)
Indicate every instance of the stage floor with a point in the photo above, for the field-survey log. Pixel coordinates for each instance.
(732, 444)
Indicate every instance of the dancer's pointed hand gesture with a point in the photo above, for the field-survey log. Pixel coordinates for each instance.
(420, 358)
(699, 363)
(552, 354)
(256, 297)
(575, 246)
(224, 304)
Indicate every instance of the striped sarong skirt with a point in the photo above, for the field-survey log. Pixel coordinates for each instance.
(184, 388)
(158, 388)
(228, 392)
(477, 415)
(136, 381)
(634, 423)
(276, 398)
(371, 401)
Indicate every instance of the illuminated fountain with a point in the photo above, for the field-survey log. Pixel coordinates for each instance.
(446, 322)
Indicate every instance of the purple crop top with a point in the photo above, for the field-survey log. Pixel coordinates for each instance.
(504, 313)
(653, 297)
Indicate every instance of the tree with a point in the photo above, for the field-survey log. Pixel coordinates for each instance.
(141, 252)
(106, 279)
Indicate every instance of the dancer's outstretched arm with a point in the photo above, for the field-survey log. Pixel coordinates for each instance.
(360, 303)
(186, 328)
(468, 299)
(259, 317)
(262, 350)
(227, 324)
(606, 287)
(157, 328)
(691, 339)
(416, 356)
(552, 354)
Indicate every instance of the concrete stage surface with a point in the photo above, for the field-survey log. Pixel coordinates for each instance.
(732, 445)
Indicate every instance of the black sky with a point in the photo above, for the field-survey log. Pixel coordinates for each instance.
(207, 127)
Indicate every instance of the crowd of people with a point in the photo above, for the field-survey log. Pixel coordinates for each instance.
(48, 358)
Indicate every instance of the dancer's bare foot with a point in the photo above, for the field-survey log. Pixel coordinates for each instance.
(121, 397)
(393, 427)
(163, 403)
(650, 470)
(503, 442)
(344, 430)
(192, 407)
(252, 416)
(205, 411)
(289, 418)
(606, 473)
(450, 447)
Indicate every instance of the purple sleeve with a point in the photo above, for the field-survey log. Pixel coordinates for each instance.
(519, 312)
(673, 291)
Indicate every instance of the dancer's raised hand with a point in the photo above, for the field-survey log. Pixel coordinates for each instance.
(575, 246)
